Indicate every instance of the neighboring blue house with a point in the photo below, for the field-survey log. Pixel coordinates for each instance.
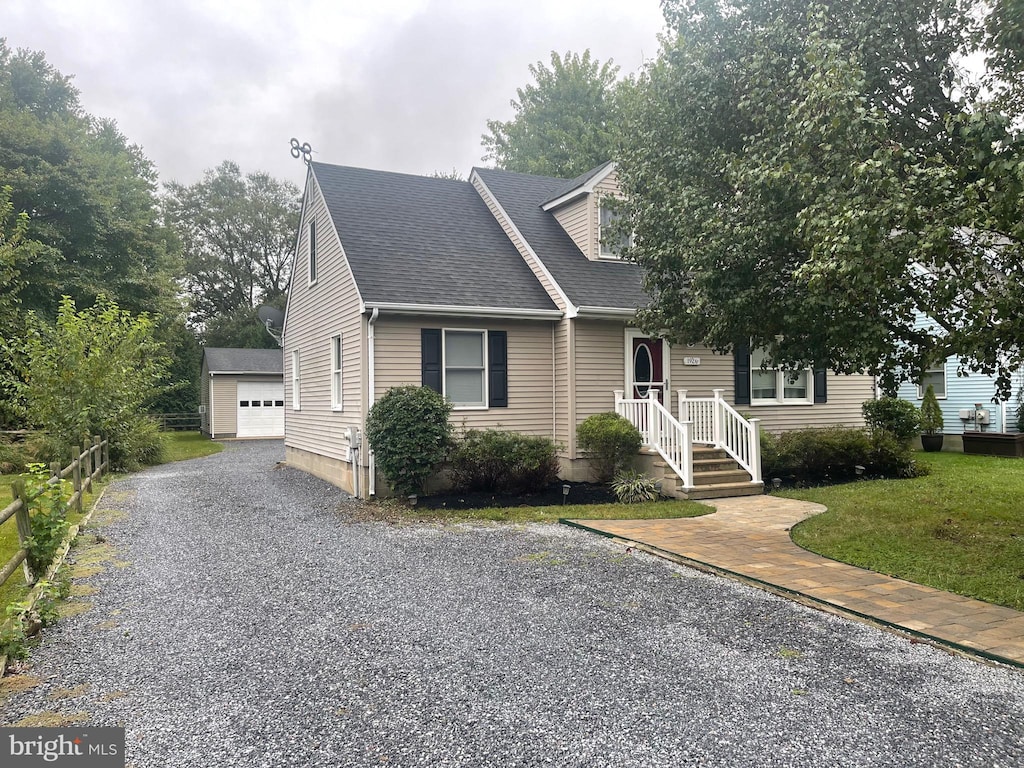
(958, 396)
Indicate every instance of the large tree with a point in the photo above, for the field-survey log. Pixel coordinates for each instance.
(237, 233)
(808, 177)
(89, 195)
(566, 122)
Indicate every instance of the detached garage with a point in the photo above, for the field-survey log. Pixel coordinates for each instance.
(242, 393)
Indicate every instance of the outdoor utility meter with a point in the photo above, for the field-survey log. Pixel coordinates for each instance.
(353, 437)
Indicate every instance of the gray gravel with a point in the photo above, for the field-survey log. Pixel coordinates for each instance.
(258, 625)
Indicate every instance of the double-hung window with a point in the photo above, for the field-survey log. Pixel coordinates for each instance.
(611, 241)
(774, 385)
(465, 368)
(936, 376)
(336, 370)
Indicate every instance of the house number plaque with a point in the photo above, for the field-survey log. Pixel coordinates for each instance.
(691, 361)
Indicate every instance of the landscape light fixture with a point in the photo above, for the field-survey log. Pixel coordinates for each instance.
(413, 498)
(565, 492)
(776, 482)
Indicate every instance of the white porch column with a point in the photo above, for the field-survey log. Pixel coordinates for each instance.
(618, 402)
(653, 422)
(681, 394)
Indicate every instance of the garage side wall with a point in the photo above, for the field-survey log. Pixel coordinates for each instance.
(223, 406)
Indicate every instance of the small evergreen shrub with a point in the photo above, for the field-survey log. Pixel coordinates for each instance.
(889, 457)
(136, 444)
(611, 441)
(894, 415)
(833, 454)
(931, 413)
(493, 460)
(632, 487)
(409, 431)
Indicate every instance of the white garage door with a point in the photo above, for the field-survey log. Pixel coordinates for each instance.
(260, 409)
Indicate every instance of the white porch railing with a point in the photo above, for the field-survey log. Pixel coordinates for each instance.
(660, 430)
(717, 423)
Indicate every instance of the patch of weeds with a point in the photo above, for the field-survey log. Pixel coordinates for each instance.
(789, 653)
(113, 695)
(14, 632)
(798, 692)
(71, 609)
(51, 720)
(68, 693)
(542, 558)
(15, 684)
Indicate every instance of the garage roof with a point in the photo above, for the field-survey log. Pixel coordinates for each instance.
(233, 360)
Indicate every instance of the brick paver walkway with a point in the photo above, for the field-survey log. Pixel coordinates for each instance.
(749, 537)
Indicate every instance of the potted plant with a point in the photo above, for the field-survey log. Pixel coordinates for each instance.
(931, 421)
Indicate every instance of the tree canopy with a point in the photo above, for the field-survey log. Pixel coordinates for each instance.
(808, 177)
(565, 122)
(237, 235)
(88, 194)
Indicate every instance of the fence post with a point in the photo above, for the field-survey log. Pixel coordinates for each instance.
(87, 469)
(99, 457)
(24, 523)
(106, 455)
(76, 475)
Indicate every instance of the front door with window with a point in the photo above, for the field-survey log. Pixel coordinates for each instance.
(646, 367)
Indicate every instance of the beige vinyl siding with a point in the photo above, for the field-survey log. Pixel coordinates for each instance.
(224, 405)
(600, 365)
(608, 187)
(845, 393)
(576, 219)
(563, 401)
(530, 370)
(519, 244)
(315, 314)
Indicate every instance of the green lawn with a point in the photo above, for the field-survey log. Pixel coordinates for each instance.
(960, 529)
(652, 511)
(188, 445)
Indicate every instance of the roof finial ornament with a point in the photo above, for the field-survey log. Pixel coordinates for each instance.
(302, 150)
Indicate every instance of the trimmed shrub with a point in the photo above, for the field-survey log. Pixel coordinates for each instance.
(931, 413)
(897, 416)
(632, 487)
(493, 460)
(409, 431)
(611, 441)
(833, 454)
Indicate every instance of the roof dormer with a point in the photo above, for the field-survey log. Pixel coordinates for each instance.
(577, 208)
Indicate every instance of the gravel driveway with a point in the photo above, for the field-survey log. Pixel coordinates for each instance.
(242, 618)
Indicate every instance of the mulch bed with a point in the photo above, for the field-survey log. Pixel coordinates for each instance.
(579, 493)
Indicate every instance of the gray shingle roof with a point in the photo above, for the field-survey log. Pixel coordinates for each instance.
(233, 360)
(576, 183)
(422, 240)
(587, 283)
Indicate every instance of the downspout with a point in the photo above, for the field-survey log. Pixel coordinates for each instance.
(371, 382)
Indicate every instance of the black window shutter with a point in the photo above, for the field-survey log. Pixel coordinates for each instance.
(497, 369)
(820, 385)
(741, 373)
(430, 357)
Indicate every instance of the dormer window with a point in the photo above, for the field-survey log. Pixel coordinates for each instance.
(612, 241)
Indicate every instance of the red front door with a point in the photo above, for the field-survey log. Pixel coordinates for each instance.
(647, 368)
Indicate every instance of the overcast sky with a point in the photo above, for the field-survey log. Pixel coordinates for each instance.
(404, 85)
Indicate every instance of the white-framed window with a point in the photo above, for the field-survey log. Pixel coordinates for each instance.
(936, 376)
(296, 380)
(336, 368)
(465, 368)
(611, 243)
(312, 251)
(773, 386)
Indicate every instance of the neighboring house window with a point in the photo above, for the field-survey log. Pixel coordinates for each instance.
(295, 380)
(773, 386)
(469, 367)
(612, 243)
(937, 378)
(312, 251)
(336, 398)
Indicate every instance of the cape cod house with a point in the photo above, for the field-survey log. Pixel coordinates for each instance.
(501, 293)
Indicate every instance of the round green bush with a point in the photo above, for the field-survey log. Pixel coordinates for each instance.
(611, 441)
(894, 415)
(409, 431)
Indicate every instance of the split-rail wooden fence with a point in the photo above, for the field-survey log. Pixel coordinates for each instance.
(87, 465)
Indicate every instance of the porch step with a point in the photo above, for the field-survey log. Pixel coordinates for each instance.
(722, 490)
(718, 477)
(713, 465)
(701, 453)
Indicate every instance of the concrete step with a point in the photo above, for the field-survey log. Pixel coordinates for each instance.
(706, 452)
(723, 490)
(721, 476)
(714, 465)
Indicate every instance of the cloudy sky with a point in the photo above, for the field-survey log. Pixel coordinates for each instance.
(404, 85)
